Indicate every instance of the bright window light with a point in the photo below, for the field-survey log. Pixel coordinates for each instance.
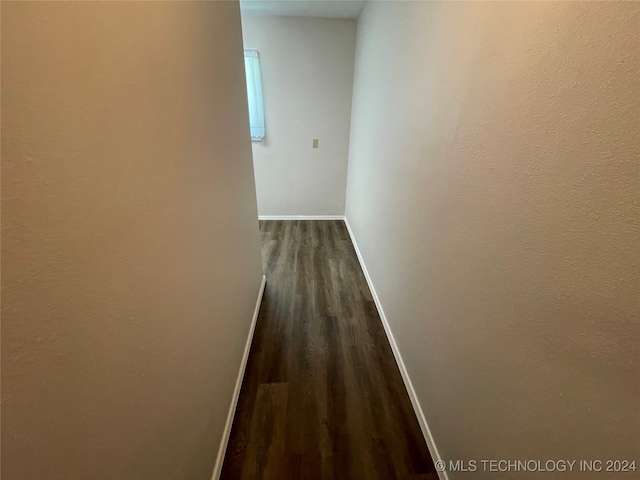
(254, 95)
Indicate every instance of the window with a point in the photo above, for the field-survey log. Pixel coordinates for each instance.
(254, 95)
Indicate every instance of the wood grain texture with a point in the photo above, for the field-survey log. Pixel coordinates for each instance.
(322, 396)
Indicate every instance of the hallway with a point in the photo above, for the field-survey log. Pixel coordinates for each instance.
(322, 395)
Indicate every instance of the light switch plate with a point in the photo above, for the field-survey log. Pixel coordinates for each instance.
(315, 143)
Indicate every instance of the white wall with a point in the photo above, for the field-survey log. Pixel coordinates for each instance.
(130, 246)
(307, 77)
(493, 188)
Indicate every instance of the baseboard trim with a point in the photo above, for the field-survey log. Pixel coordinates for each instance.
(301, 217)
(217, 469)
(426, 432)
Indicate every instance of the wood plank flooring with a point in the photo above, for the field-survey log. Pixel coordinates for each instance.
(322, 396)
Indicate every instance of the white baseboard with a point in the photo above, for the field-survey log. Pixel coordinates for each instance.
(426, 432)
(217, 469)
(301, 217)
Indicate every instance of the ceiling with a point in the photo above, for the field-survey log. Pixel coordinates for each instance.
(304, 8)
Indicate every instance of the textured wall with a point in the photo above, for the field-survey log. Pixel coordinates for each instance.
(493, 189)
(130, 247)
(307, 77)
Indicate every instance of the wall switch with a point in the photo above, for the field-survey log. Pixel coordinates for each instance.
(315, 143)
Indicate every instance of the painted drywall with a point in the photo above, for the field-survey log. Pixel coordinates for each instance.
(493, 190)
(307, 75)
(303, 8)
(130, 244)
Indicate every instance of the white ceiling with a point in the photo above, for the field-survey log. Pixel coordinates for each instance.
(304, 8)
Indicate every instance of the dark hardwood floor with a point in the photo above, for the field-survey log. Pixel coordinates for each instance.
(322, 396)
